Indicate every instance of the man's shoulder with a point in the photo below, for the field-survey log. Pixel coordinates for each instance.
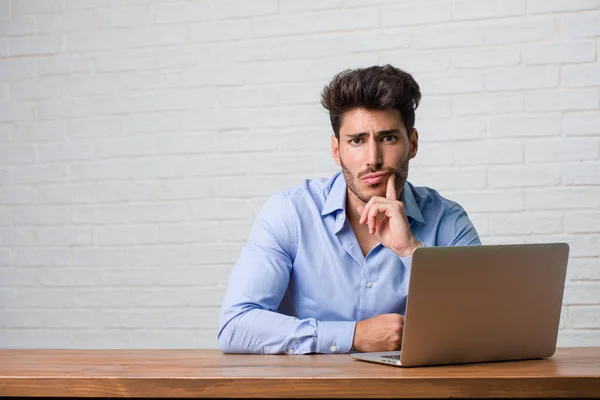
(308, 191)
(430, 199)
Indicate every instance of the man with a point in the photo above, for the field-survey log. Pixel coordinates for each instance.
(327, 263)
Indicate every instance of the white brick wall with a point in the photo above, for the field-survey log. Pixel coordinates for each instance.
(139, 139)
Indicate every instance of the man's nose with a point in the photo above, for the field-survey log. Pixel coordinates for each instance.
(374, 156)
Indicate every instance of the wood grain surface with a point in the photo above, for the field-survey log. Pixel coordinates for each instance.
(571, 372)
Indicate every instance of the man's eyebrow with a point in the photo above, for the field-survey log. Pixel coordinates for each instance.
(378, 133)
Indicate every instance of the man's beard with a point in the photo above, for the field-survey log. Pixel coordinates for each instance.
(351, 181)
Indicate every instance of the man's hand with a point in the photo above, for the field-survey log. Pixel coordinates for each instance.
(379, 333)
(388, 222)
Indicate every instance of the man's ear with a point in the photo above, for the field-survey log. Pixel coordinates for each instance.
(414, 143)
(335, 149)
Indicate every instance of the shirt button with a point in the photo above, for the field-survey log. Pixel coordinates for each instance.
(333, 349)
(291, 351)
(369, 284)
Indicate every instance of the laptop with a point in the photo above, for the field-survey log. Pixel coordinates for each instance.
(481, 303)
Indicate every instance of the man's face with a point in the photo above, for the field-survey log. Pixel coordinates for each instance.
(372, 145)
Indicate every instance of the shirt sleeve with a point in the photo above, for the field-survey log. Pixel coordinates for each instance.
(249, 321)
(456, 229)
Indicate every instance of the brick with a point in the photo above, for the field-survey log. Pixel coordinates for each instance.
(100, 170)
(434, 107)
(293, 6)
(18, 196)
(554, 6)
(123, 17)
(526, 223)
(207, 297)
(132, 37)
(5, 220)
(235, 231)
(433, 154)
(34, 45)
(41, 257)
(581, 75)
(563, 149)
(474, 9)
(417, 14)
(495, 103)
(17, 154)
(157, 213)
(524, 176)
(582, 269)
(65, 109)
(198, 277)
(193, 143)
(72, 318)
(47, 236)
(27, 7)
(452, 35)
(126, 235)
(582, 293)
(157, 167)
(490, 201)
(483, 58)
(241, 187)
(35, 90)
(158, 122)
(523, 30)
(156, 339)
(39, 174)
(187, 233)
(422, 61)
(580, 245)
(455, 82)
(101, 298)
(43, 298)
(17, 26)
(127, 147)
(247, 97)
(67, 151)
(522, 78)
(17, 69)
(97, 257)
(41, 215)
(65, 194)
(221, 31)
(581, 25)
(583, 222)
(119, 192)
(439, 178)
(488, 152)
(11, 112)
(243, 9)
(21, 318)
(578, 338)
(525, 126)
(65, 64)
(346, 19)
(559, 100)
(104, 339)
(563, 198)
(100, 215)
(583, 174)
(65, 21)
(281, 164)
(282, 26)
(559, 53)
(28, 338)
(451, 129)
(219, 210)
(580, 124)
(218, 75)
(182, 12)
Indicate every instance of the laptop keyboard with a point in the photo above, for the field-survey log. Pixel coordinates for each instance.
(393, 357)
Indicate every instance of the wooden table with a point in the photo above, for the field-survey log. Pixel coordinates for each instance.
(572, 372)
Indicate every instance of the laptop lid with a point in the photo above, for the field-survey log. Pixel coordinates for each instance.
(484, 303)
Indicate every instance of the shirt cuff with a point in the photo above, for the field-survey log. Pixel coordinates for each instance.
(407, 261)
(335, 336)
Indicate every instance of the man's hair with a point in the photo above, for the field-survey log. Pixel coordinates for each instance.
(373, 88)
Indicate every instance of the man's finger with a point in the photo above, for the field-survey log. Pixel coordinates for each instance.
(390, 192)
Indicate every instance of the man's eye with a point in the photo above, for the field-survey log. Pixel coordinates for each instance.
(356, 141)
(389, 138)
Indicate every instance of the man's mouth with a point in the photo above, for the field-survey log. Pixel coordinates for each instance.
(376, 178)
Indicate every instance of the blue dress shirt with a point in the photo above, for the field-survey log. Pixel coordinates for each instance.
(302, 282)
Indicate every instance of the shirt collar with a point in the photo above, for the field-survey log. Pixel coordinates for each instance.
(336, 199)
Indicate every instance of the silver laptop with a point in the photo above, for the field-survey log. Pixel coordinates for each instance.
(481, 303)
